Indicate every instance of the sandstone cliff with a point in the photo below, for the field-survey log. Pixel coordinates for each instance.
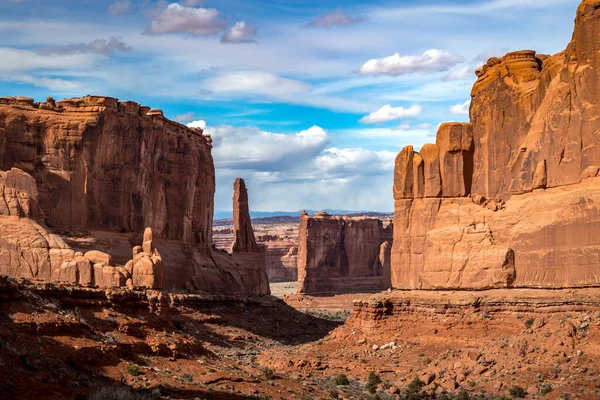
(106, 170)
(341, 254)
(513, 198)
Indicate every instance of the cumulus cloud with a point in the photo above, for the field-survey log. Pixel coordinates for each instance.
(431, 60)
(255, 82)
(336, 162)
(257, 150)
(179, 19)
(241, 32)
(335, 18)
(389, 113)
(294, 171)
(408, 127)
(197, 124)
(119, 7)
(98, 46)
(459, 74)
(461, 108)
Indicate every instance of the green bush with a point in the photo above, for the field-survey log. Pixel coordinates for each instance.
(372, 383)
(546, 389)
(133, 370)
(517, 392)
(268, 373)
(341, 380)
(529, 322)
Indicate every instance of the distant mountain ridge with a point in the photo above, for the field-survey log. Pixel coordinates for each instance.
(224, 218)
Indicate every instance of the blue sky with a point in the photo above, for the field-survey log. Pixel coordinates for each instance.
(309, 101)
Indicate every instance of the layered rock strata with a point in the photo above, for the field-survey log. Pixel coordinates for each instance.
(29, 250)
(341, 254)
(107, 170)
(511, 199)
(244, 247)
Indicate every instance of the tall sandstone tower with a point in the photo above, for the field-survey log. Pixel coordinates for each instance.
(511, 199)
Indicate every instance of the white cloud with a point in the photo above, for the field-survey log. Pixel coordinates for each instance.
(294, 171)
(54, 84)
(257, 150)
(408, 127)
(197, 124)
(16, 60)
(99, 46)
(430, 60)
(255, 82)
(185, 118)
(345, 162)
(193, 3)
(335, 18)
(119, 7)
(241, 32)
(179, 19)
(389, 113)
(459, 74)
(461, 108)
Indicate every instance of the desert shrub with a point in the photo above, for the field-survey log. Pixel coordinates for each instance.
(122, 393)
(517, 392)
(372, 383)
(341, 380)
(529, 322)
(187, 377)
(268, 373)
(546, 389)
(133, 370)
(334, 394)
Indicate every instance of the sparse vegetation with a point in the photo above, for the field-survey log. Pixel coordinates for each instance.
(529, 322)
(122, 393)
(341, 380)
(268, 373)
(133, 370)
(373, 382)
(546, 389)
(517, 392)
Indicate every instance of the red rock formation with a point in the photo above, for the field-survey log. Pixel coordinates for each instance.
(109, 165)
(29, 250)
(244, 248)
(114, 168)
(338, 254)
(244, 240)
(530, 163)
(281, 260)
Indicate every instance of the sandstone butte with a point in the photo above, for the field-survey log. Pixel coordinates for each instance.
(88, 178)
(342, 254)
(511, 199)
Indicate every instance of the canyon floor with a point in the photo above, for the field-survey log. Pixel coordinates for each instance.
(60, 342)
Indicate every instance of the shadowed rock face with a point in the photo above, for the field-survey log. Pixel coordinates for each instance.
(338, 254)
(244, 249)
(111, 169)
(244, 240)
(513, 198)
(109, 165)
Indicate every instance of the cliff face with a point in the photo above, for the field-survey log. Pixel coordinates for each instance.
(109, 165)
(513, 198)
(103, 172)
(342, 254)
